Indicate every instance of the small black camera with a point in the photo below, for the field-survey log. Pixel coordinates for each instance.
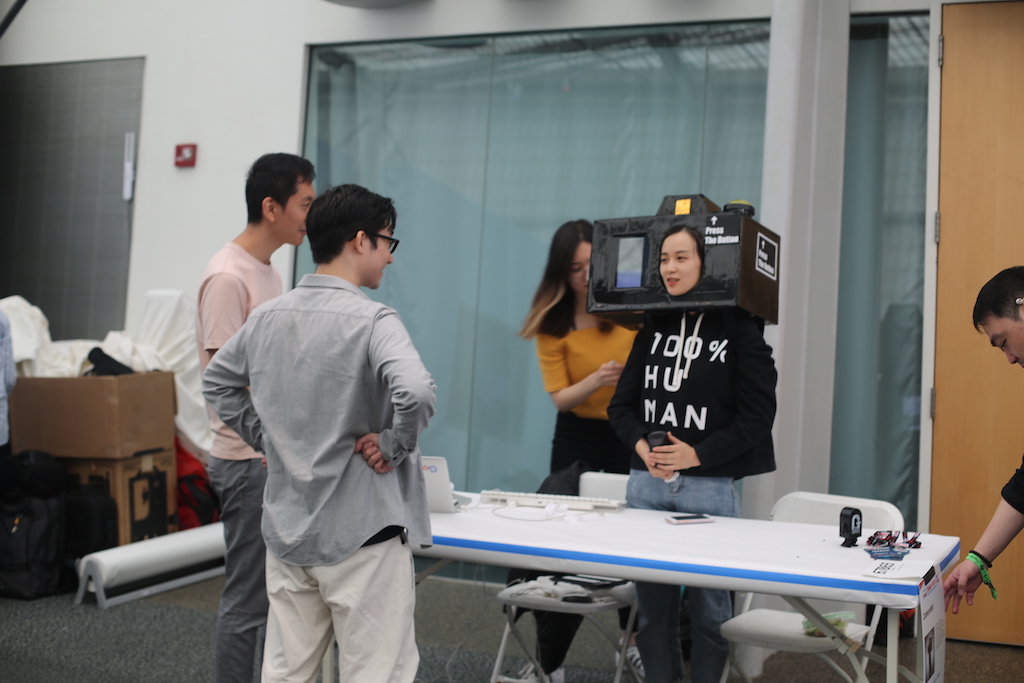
(850, 523)
(741, 261)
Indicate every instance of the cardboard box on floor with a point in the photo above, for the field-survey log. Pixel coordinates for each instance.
(94, 417)
(145, 489)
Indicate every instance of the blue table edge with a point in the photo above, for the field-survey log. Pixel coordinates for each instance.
(902, 588)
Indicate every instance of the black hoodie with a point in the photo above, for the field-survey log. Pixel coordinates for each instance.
(716, 391)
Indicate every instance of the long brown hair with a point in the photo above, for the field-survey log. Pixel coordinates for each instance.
(554, 304)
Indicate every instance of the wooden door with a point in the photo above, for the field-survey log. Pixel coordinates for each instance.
(979, 403)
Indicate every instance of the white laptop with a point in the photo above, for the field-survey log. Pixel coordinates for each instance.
(441, 496)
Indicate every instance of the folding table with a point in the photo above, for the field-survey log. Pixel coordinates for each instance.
(795, 561)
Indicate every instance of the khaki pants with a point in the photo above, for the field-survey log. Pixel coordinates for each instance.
(366, 601)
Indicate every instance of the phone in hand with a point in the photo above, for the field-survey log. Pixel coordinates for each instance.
(689, 519)
(658, 438)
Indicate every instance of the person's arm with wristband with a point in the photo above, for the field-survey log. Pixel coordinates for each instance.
(969, 576)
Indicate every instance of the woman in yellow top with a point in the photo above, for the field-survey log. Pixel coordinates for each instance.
(581, 356)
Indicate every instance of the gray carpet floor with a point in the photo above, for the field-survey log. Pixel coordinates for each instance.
(167, 638)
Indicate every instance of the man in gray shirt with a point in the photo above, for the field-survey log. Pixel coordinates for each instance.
(327, 384)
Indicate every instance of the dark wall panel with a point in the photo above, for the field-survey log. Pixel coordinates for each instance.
(65, 230)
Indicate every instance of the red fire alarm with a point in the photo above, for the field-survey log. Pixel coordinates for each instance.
(185, 155)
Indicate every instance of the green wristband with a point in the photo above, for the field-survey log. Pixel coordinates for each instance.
(980, 564)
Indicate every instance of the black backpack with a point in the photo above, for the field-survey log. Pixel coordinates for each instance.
(31, 525)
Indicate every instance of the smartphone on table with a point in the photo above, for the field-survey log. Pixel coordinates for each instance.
(688, 519)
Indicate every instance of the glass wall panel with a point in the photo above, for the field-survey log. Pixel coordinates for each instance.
(877, 410)
(409, 121)
(488, 144)
(737, 68)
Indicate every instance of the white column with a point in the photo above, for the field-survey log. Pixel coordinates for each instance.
(801, 199)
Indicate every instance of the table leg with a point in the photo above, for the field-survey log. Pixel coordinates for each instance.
(436, 567)
(845, 645)
(892, 645)
(892, 668)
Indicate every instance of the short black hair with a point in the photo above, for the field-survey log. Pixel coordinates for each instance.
(339, 213)
(998, 296)
(276, 176)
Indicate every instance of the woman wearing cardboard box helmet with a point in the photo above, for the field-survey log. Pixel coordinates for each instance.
(705, 381)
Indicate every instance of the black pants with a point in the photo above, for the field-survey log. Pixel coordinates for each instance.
(590, 440)
(593, 441)
(555, 631)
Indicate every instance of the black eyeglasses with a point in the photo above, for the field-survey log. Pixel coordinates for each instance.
(392, 242)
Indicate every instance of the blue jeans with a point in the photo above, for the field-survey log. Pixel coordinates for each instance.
(658, 635)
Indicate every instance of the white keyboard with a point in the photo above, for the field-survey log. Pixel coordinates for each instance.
(541, 500)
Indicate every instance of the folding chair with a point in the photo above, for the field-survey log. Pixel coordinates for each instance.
(587, 596)
(781, 630)
(537, 595)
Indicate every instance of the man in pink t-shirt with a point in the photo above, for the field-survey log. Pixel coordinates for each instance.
(240, 277)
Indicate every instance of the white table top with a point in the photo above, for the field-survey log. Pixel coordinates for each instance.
(802, 560)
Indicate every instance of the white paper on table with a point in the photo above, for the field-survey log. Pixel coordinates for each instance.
(898, 569)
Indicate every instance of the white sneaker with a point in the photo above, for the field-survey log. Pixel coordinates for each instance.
(528, 673)
(633, 659)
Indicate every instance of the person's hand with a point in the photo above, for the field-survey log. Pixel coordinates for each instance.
(264, 462)
(369, 446)
(962, 582)
(643, 449)
(676, 455)
(609, 373)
